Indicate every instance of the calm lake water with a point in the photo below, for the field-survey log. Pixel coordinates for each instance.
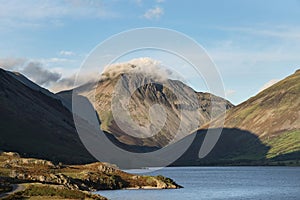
(221, 183)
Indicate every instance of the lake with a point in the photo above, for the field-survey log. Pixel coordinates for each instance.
(274, 183)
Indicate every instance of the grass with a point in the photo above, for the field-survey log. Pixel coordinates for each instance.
(284, 143)
(246, 114)
(106, 119)
(40, 191)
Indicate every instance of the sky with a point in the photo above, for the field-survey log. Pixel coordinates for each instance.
(253, 43)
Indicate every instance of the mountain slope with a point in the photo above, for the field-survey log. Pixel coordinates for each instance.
(273, 116)
(35, 124)
(155, 94)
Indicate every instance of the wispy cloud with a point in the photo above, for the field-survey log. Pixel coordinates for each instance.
(57, 60)
(15, 13)
(34, 70)
(38, 71)
(39, 74)
(272, 44)
(138, 2)
(254, 55)
(283, 32)
(141, 2)
(66, 53)
(12, 63)
(65, 83)
(33, 9)
(68, 82)
(154, 13)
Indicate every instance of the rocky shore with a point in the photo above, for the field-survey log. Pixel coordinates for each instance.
(36, 173)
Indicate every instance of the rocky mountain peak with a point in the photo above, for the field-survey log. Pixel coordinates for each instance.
(138, 87)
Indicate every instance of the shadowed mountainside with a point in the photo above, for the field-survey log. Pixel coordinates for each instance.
(33, 123)
(234, 147)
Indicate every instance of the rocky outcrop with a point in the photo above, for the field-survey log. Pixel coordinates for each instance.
(28, 161)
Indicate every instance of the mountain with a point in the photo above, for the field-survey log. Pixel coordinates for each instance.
(263, 129)
(148, 90)
(34, 122)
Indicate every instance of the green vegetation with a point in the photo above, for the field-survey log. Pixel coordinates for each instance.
(246, 113)
(106, 120)
(284, 143)
(53, 192)
(166, 180)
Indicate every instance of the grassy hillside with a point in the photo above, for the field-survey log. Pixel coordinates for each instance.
(273, 116)
(284, 143)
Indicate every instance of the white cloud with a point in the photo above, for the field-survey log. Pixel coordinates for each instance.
(149, 66)
(66, 53)
(154, 13)
(160, 1)
(269, 84)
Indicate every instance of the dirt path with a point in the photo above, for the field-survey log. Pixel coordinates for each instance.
(16, 188)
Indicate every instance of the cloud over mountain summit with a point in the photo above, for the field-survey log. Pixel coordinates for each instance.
(145, 65)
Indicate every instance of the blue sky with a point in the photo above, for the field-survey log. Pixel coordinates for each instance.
(253, 43)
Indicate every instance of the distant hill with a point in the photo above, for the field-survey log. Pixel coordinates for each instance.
(263, 129)
(34, 122)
